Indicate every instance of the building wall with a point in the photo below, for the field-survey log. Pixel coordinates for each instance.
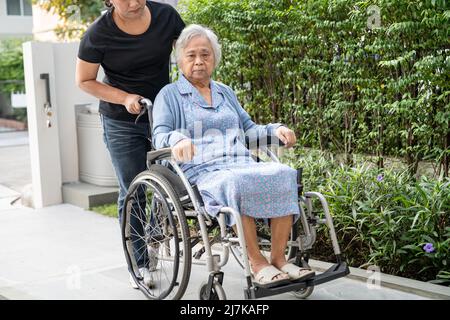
(43, 25)
(14, 26)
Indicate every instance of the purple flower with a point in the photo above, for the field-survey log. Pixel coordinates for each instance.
(380, 178)
(428, 247)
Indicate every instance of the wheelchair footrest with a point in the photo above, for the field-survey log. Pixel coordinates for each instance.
(335, 272)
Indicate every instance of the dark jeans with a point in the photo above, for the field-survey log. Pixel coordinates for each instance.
(128, 144)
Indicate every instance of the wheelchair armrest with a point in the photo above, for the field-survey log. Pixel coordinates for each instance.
(257, 142)
(160, 154)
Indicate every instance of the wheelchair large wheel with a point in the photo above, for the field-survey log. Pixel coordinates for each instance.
(263, 234)
(155, 236)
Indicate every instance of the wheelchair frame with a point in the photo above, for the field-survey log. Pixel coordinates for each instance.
(215, 262)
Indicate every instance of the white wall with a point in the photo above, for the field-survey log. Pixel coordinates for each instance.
(54, 150)
(44, 24)
(43, 141)
(14, 26)
(68, 95)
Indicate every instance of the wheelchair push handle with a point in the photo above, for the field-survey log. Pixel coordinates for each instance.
(146, 104)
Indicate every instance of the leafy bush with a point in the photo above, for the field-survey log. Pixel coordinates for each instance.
(383, 217)
(11, 65)
(344, 86)
(12, 73)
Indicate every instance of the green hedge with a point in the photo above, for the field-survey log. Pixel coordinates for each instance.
(345, 86)
(382, 218)
(12, 73)
(11, 65)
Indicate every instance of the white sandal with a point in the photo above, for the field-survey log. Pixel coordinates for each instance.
(267, 277)
(297, 273)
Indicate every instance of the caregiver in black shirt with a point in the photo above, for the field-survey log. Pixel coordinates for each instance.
(132, 41)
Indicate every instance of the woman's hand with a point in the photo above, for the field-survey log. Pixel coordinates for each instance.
(184, 150)
(286, 135)
(132, 103)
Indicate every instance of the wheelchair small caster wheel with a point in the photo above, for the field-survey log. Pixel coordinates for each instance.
(303, 293)
(217, 292)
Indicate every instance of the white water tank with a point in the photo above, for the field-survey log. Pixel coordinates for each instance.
(93, 158)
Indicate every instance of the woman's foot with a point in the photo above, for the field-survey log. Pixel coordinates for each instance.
(294, 272)
(257, 266)
(268, 276)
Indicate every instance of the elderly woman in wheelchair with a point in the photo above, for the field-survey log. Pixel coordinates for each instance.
(213, 156)
(204, 128)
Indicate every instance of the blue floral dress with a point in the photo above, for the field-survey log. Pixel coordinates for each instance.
(225, 172)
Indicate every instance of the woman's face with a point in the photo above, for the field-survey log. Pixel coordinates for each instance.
(129, 8)
(197, 60)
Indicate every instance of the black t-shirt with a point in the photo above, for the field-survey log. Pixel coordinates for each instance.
(136, 64)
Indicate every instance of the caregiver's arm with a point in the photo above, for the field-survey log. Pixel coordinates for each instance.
(86, 80)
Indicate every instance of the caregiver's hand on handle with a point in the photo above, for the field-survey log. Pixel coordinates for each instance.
(286, 135)
(132, 103)
(184, 150)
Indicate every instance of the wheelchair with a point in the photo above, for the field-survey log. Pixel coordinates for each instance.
(164, 223)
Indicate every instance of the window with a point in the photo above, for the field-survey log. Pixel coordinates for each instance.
(13, 7)
(27, 7)
(18, 7)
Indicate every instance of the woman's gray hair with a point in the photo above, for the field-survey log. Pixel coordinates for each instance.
(195, 30)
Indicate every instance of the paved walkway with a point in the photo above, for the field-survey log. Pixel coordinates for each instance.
(15, 165)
